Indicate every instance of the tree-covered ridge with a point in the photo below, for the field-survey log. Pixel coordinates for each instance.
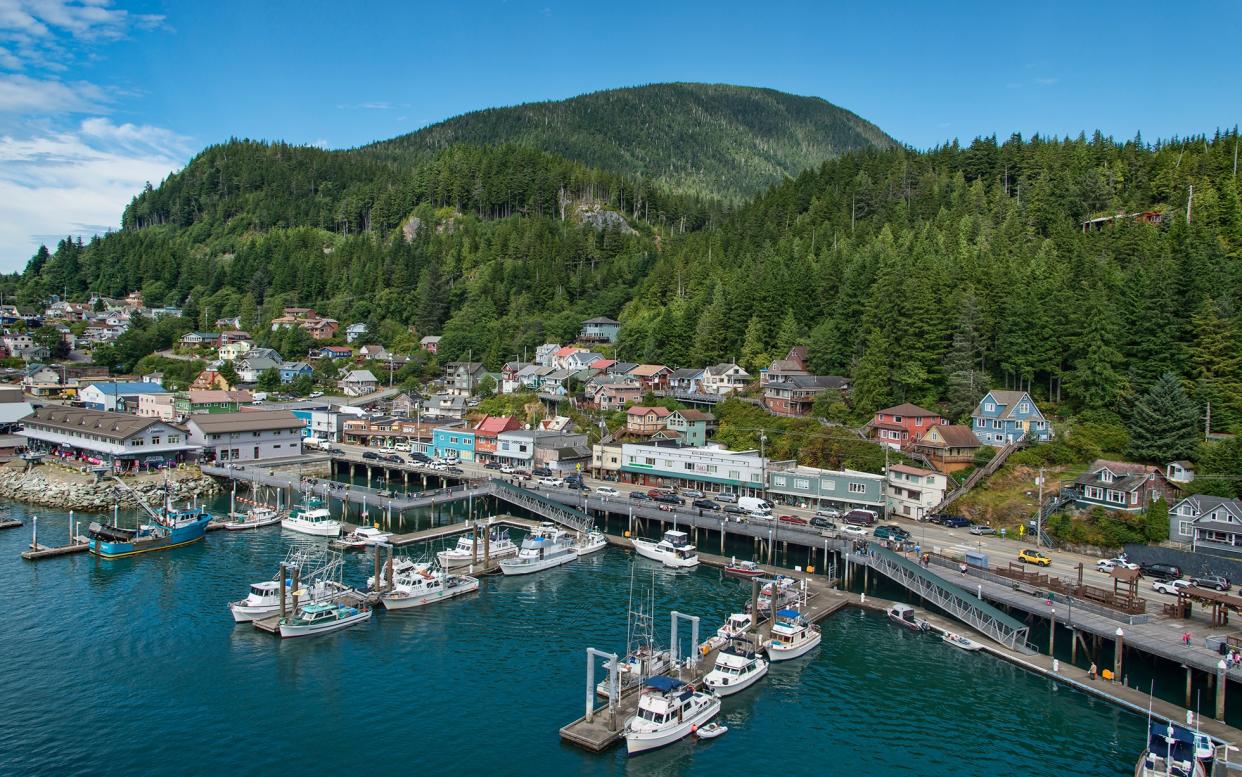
(928, 276)
(715, 140)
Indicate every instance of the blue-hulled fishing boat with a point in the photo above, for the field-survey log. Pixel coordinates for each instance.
(167, 528)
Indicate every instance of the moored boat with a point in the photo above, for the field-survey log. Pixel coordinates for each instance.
(464, 553)
(903, 615)
(255, 518)
(961, 642)
(743, 568)
(362, 537)
(736, 627)
(426, 586)
(592, 542)
(710, 731)
(400, 566)
(736, 670)
(311, 517)
(783, 589)
(322, 618)
(673, 550)
(792, 636)
(1171, 752)
(668, 710)
(168, 528)
(546, 547)
(264, 598)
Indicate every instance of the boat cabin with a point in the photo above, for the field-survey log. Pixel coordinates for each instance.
(677, 539)
(663, 699)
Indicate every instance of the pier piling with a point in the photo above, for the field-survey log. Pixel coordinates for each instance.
(297, 573)
(754, 605)
(1118, 647)
(283, 572)
(1221, 681)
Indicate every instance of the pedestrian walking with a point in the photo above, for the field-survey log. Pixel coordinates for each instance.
(962, 567)
(1092, 671)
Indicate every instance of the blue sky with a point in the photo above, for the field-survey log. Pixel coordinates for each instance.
(99, 96)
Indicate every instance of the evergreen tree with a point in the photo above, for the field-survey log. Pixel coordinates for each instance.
(822, 353)
(789, 334)
(431, 307)
(872, 388)
(710, 335)
(754, 354)
(229, 373)
(1095, 380)
(269, 380)
(1164, 424)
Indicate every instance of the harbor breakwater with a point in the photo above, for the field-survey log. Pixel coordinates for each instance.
(66, 490)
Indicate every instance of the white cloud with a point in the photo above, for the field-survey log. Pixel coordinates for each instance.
(84, 19)
(72, 182)
(23, 94)
(320, 143)
(1046, 81)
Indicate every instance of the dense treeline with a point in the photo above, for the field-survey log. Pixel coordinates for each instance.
(927, 276)
(710, 139)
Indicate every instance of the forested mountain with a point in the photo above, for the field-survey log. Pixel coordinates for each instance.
(709, 139)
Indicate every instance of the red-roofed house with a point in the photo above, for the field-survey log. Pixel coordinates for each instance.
(487, 430)
(646, 420)
(902, 425)
(602, 364)
(562, 354)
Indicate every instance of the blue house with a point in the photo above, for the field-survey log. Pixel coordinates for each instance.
(291, 371)
(1003, 417)
(453, 442)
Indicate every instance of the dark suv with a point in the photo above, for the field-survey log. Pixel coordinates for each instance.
(953, 521)
(1160, 571)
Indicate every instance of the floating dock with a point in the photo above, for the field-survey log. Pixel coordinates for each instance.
(10, 523)
(40, 551)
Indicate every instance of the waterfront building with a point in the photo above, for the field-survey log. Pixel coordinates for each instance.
(252, 435)
(846, 489)
(486, 434)
(447, 442)
(912, 492)
(116, 440)
(121, 396)
(709, 468)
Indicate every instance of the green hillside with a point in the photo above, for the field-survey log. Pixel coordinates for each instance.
(711, 139)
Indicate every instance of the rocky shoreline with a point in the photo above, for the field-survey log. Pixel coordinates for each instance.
(50, 488)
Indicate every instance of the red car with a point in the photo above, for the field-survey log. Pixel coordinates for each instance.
(793, 519)
(655, 492)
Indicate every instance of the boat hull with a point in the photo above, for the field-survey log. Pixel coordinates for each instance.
(176, 538)
(644, 742)
(314, 529)
(394, 601)
(778, 653)
(648, 550)
(587, 550)
(968, 644)
(450, 561)
(290, 630)
(736, 687)
(515, 568)
(243, 525)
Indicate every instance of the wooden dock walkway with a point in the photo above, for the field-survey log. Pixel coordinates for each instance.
(41, 551)
(10, 523)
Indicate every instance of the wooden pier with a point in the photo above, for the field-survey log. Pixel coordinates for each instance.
(10, 523)
(40, 551)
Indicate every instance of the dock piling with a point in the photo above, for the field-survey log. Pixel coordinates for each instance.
(1221, 680)
(34, 533)
(283, 572)
(297, 573)
(754, 605)
(1118, 647)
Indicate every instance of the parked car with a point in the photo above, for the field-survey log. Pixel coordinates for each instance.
(419, 456)
(859, 518)
(542, 472)
(1170, 586)
(854, 531)
(551, 482)
(1109, 564)
(402, 447)
(454, 470)
(954, 521)
(734, 510)
(1160, 571)
(828, 512)
(692, 493)
(891, 531)
(607, 491)
(370, 455)
(705, 504)
(334, 451)
(509, 470)
(1028, 556)
(576, 483)
(668, 499)
(979, 529)
(491, 465)
(1217, 582)
(394, 459)
(726, 496)
(640, 496)
(385, 494)
(822, 522)
(794, 519)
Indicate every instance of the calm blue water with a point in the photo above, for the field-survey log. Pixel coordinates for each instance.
(134, 666)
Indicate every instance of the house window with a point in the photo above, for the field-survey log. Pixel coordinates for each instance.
(989, 407)
(827, 485)
(802, 484)
(996, 424)
(1025, 407)
(734, 475)
(896, 419)
(1093, 492)
(857, 488)
(1117, 497)
(918, 422)
(155, 439)
(689, 466)
(779, 480)
(649, 461)
(1183, 528)
(1106, 477)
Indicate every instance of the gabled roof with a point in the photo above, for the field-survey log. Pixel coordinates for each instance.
(907, 409)
(128, 387)
(685, 374)
(954, 436)
(623, 368)
(566, 350)
(296, 366)
(113, 426)
(722, 368)
(907, 469)
(246, 421)
(360, 376)
(601, 364)
(648, 370)
(494, 424)
(1010, 400)
(660, 412)
(695, 415)
(602, 320)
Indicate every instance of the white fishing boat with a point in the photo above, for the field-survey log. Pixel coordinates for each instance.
(427, 586)
(254, 518)
(464, 553)
(362, 537)
(736, 627)
(643, 658)
(400, 566)
(321, 618)
(674, 550)
(958, 641)
(593, 542)
(546, 547)
(792, 636)
(784, 589)
(264, 598)
(668, 710)
(736, 670)
(311, 518)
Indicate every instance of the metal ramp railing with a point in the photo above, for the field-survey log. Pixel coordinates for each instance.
(542, 506)
(964, 606)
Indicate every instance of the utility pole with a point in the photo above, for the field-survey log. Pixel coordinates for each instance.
(1039, 512)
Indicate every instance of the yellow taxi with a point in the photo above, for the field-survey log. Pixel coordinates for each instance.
(1034, 557)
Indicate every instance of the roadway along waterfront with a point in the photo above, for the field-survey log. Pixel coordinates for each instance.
(134, 665)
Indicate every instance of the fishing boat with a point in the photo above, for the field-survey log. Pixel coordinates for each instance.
(958, 641)
(903, 615)
(710, 731)
(254, 518)
(743, 568)
(166, 528)
(321, 618)
(736, 670)
(674, 550)
(781, 588)
(736, 627)
(643, 658)
(546, 547)
(315, 570)
(426, 586)
(312, 518)
(593, 542)
(464, 554)
(400, 566)
(1170, 753)
(362, 537)
(668, 710)
(792, 636)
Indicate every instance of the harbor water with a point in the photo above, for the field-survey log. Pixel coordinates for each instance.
(135, 666)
